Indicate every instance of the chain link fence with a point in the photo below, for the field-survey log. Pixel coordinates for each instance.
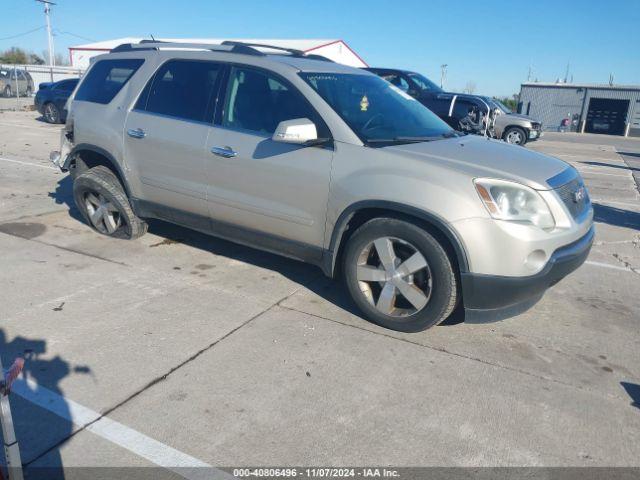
(19, 83)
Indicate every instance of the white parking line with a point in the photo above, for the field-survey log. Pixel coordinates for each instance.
(146, 447)
(30, 164)
(612, 267)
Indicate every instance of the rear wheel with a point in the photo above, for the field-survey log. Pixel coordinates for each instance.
(515, 136)
(51, 113)
(103, 203)
(399, 275)
(7, 91)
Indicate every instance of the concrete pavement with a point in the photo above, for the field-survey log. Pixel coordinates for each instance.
(237, 357)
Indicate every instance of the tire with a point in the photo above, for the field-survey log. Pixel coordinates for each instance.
(29, 91)
(433, 287)
(7, 91)
(515, 136)
(99, 190)
(51, 113)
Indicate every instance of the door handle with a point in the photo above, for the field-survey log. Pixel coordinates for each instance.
(226, 152)
(136, 133)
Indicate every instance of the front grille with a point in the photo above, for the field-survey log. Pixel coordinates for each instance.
(574, 196)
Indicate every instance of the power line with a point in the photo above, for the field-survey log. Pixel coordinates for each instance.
(60, 32)
(23, 33)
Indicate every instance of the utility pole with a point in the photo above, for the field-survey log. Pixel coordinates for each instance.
(443, 74)
(47, 11)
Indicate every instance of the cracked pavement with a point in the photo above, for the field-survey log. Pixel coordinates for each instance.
(237, 357)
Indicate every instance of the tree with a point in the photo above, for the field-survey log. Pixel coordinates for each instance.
(14, 55)
(470, 88)
(19, 56)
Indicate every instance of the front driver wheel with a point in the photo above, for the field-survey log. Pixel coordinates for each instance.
(399, 275)
(515, 136)
(103, 203)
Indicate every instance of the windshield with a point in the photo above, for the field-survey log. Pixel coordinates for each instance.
(501, 105)
(376, 111)
(424, 83)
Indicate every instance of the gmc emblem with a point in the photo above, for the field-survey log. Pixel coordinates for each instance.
(579, 195)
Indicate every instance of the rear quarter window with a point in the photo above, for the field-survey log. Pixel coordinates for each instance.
(106, 78)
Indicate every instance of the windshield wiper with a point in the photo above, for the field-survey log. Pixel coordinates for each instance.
(398, 140)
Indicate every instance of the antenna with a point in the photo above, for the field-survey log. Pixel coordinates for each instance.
(566, 73)
(47, 10)
(151, 35)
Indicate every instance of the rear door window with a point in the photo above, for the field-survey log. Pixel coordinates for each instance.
(106, 78)
(182, 89)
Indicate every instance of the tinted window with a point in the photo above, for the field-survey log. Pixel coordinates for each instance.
(424, 83)
(182, 89)
(105, 79)
(397, 80)
(67, 85)
(379, 113)
(258, 102)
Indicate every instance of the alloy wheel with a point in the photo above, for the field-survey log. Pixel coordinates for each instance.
(394, 277)
(515, 137)
(103, 214)
(50, 113)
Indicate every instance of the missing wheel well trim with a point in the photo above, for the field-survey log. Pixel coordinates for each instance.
(360, 217)
(85, 159)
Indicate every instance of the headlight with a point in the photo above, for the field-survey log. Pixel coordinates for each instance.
(514, 202)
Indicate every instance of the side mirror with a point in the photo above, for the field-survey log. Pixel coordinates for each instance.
(298, 131)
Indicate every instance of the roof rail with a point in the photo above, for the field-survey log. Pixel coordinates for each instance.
(157, 45)
(226, 46)
(293, 51)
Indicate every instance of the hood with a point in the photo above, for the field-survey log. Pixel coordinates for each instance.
(478, 156)
(520, 115)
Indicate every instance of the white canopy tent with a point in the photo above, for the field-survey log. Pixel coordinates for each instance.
(334, 49)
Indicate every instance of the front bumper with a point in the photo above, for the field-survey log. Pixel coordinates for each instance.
(493, 297)
(535, 134)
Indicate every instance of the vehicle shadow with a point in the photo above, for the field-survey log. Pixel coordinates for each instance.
(630, 154)
(633, 390)
(63, 195)
(39, 431)
(616, 216)
(622, 167)
(308, 276)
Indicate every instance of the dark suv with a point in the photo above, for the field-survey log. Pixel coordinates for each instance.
(51, 99)
(464, 112)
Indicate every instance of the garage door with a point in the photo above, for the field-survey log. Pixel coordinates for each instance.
(606, 115)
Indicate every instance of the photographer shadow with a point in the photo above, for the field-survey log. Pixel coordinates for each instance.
(39, 432)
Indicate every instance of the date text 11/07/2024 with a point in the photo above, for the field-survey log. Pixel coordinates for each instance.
(316, 472)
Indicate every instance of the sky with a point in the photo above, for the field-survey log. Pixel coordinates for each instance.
(490, 43)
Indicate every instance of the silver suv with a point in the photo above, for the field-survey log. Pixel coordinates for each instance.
(327, 164)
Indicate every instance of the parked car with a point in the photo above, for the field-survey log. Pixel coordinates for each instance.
(513, 127)
(327, 164)
(15, 79)
(464, 112)
(51, 98)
